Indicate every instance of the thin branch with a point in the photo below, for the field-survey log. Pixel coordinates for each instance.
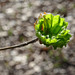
(19, 45)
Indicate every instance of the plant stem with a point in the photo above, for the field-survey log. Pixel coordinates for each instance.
(19, 45)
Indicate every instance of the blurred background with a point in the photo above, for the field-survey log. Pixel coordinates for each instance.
(17, 19)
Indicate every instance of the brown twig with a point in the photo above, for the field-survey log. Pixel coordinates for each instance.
(19, 45)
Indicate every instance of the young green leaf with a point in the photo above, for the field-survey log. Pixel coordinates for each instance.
(51, 30)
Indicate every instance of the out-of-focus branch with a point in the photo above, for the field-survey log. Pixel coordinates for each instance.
(19, 45)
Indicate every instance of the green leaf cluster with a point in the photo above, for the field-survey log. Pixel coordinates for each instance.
(51, 30)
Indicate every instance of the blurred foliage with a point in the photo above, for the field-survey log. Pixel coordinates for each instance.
(10, 32)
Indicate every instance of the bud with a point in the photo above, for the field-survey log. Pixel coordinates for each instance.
(51, 30)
